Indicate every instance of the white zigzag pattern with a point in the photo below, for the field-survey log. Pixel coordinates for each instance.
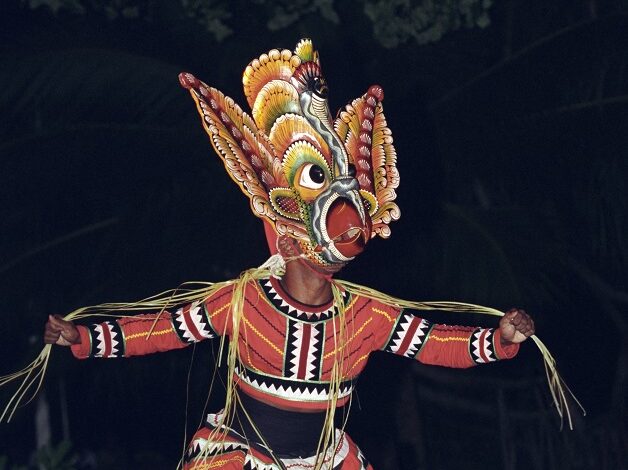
(100, 338)
(114, 342)
(476, 347)
(200, 445)
(487, 345)
(311, 354)
(299, 463)
(329, 462)
(404, 323)
(296, 353)
(257, 465)
(294, 310)
(187, 334)
(295, 393)
(196, 315)
(484, 347)
(417, 339)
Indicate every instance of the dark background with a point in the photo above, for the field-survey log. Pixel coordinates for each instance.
(510, 126)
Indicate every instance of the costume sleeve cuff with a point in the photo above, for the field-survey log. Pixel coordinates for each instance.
(507, 351)
(83, 349)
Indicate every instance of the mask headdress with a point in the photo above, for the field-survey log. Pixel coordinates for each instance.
(329, 185)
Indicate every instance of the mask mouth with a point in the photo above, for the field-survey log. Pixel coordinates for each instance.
(347, 232)
(340, 224)
(351, 242)
(349, 236)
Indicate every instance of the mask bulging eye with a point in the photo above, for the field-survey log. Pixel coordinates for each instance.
(312, 176)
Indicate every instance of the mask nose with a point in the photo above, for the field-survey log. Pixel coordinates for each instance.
(346, 229)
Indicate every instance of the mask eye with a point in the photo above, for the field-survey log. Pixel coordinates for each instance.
(312, 176)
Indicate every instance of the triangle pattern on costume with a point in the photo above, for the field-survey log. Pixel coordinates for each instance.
(291, 389)
(100, 341)
(481, 346)
(408, 335)
(298, 349)
(284, 306)
(191, 324)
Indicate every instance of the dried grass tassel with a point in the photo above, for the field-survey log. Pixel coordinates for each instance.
(557, 386)
(31, 377)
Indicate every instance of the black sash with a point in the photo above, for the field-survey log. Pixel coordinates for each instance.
(289, 434)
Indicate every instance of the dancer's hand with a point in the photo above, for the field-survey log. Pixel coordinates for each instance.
(516, 326)
(61, 332)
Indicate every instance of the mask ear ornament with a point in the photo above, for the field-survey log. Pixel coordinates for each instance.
(363, 129)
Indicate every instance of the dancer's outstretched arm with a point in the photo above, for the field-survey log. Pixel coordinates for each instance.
(456, 346)
(146, 333)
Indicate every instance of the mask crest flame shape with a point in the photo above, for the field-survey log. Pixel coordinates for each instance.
(329, 184)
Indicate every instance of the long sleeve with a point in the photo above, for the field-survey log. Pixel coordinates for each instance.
(411, 336)
(141, 334)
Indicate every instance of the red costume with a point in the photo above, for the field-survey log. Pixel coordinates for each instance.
(287, 353)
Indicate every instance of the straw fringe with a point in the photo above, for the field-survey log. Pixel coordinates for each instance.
(559, 390)
(232, 399)
(327, 437)
(31, 377)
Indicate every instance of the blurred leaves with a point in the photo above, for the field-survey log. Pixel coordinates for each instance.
(50, 457)
(4, 464)
(394, 22)
(112, 9)
(211, 15)
(397, 21)
(58, 457)
(56, 6)
(284, 13)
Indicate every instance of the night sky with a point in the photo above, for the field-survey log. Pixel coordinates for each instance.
(513, 153)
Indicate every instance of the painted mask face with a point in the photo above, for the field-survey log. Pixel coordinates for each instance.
(329, 184)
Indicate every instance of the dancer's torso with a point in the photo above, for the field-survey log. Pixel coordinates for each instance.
(290, 352)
